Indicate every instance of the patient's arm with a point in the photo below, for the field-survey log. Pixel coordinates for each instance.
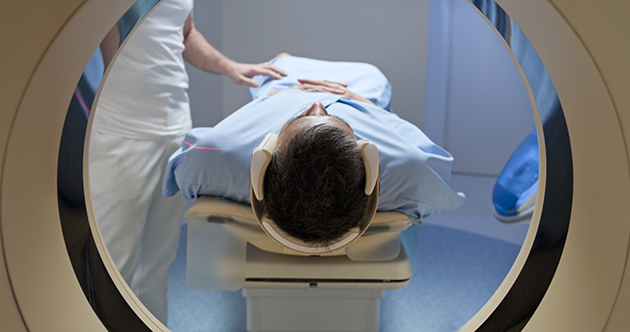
(311, 85)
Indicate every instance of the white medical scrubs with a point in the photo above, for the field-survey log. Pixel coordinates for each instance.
(414, 172)
(140, 120)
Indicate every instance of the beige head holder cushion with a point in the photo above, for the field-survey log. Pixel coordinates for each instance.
(261, 157)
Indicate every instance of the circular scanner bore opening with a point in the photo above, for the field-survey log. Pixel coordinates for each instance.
(463, 90)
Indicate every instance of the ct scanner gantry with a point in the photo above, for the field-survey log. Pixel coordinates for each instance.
(584, 45)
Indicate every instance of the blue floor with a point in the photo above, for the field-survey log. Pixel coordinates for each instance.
(456, 273)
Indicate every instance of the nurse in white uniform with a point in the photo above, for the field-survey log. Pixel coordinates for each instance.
(141, 119)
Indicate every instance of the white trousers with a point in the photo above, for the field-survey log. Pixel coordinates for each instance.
(139, 225)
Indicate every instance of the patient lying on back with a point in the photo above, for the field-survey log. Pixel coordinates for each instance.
(314, 185)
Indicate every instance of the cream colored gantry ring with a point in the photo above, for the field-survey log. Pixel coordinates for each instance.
(582, 43)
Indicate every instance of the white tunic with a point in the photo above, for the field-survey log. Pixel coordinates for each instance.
(145, 92)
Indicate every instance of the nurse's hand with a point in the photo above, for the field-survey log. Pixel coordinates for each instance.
(242, 73)
(311, 85)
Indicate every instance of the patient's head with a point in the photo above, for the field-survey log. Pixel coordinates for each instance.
(314, 185)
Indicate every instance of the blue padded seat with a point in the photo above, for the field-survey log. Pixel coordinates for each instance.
(514, 194)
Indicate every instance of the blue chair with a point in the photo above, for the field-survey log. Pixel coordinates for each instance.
(514, 194)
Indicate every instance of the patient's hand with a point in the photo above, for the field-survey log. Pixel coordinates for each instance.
(311, 85)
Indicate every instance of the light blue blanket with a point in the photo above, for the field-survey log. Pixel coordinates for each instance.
(414, 172)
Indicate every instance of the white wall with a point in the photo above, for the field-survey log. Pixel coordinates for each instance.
(206, 90)
(389, 34)
(477, 106)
